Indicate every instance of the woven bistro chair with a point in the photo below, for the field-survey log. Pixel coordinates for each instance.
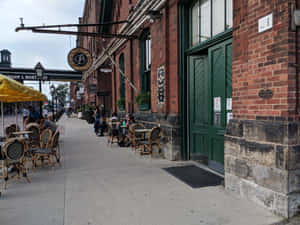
(14, 151)
(136, 137)
(34, 137)
(42, 153)
(9, 131)
(2, 164)
(15, 126)
(113, 127)
(154, 139)
(55, 148)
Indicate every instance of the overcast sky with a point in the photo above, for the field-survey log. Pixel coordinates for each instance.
(28, 48)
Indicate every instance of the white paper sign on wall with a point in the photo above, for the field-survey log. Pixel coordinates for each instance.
(265, 23)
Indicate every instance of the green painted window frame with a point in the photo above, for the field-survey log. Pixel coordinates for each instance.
(145, 72)
(122, 79)
(105, 15)
(226, 29)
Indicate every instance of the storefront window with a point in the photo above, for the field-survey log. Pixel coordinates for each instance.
(209, 18)
(122, 79)
(205, 20)
(229, 16)
(218, 16)
(195, 24)
(146, 61)
(148, 53)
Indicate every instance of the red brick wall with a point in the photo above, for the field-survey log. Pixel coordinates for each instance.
(164, 52)
(263, 61)
(102, 80)
(104, 85)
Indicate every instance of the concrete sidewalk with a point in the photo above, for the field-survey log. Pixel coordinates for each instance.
(103, 185)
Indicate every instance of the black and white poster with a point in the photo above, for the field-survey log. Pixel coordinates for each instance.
(161, 85)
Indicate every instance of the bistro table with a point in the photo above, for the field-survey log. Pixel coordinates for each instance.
(20, 133)
(144, 131)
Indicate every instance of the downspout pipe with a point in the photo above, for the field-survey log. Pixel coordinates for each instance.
(115, 86)
(297, 64)
(167, 49)
(131, 76)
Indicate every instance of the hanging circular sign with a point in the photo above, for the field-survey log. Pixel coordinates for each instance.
(80, 59)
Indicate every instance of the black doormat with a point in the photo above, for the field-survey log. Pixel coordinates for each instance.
(194, 176)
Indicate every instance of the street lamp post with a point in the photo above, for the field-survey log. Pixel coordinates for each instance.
(56, 108)
(40, 76)
(52, 92)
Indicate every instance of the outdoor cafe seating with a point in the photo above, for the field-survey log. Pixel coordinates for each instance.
(152, 140)
(13, 158)
(34, 136)
(113, 131)
(136, 135)
(48, 150)
(16, 148)
(9, 130)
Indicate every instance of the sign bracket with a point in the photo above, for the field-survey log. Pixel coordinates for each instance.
(49, 29)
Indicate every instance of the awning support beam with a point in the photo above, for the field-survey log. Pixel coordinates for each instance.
(47, 29)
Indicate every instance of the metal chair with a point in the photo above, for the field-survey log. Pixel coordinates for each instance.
(154, 139)
(14, 159)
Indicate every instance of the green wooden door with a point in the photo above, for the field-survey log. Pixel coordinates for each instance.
(210, 103)
(199, 116)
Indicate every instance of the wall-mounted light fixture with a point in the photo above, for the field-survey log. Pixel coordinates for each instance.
(295, 21)
(152, 15)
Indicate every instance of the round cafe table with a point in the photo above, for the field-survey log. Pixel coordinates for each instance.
(20, 133)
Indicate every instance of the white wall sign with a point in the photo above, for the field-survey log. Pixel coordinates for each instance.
(265, 23)
(229, 116)
(105, 70)
(229, 104)
(217, 104)
(81, 90)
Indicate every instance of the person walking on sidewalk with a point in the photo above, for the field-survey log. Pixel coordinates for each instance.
(97, 124)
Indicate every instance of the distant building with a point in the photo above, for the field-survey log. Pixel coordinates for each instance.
(5, 59)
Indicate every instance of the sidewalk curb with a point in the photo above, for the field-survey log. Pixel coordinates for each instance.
(292, 221)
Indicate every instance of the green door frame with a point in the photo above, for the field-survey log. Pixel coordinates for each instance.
(184, 52)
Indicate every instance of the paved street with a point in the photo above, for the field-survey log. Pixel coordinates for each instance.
(103, 185)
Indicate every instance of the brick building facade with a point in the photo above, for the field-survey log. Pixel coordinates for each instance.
(97, 86)
(262, 142)
(224, 91)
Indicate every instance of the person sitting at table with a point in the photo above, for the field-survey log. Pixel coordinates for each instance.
(129, 119)
(124, 141)
(33, 116)
(114, 117)
(46, 123)
(115, 127)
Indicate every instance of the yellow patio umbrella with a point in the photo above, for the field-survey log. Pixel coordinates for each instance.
(13, 91)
